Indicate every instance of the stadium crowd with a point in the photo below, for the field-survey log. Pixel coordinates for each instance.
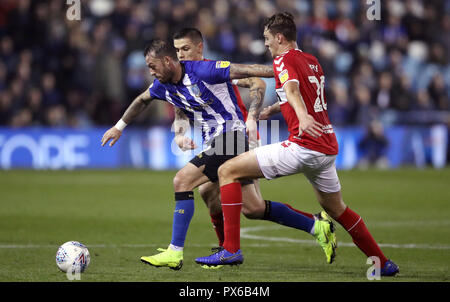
(79, 73)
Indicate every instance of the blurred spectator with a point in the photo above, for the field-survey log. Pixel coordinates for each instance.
(373, 147)
(58, 72)
(339, 107)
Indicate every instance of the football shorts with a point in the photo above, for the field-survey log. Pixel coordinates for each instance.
(287, 158)
(222, 148)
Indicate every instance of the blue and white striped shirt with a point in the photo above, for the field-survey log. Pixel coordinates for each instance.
(205, 95)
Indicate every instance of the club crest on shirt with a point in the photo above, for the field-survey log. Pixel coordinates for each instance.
(222, 64)
(195, 90)
(283, 76)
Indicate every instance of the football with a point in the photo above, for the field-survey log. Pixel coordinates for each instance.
(73, 256)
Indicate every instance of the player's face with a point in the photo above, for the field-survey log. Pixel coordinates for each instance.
(158, 68)
(188, 50)
(270, 42)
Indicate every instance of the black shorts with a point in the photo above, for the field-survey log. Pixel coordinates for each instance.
(222, 148)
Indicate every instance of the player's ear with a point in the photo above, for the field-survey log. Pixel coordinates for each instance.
(167, 60)
(279, 38)
(200, 47)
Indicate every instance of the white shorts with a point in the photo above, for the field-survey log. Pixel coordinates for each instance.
(287, 158)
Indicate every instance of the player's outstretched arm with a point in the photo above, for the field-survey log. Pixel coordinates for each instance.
(269, 111)
(180, 125)
(240, 71)
(135, 108)
(306, 123)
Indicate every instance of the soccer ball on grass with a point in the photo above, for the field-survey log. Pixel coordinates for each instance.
(73, 256)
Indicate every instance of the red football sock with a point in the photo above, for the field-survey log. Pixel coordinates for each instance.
(231, 199)
(217, 221)
(361, 236)
(298, 211)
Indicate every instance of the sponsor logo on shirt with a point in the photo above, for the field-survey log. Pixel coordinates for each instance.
(283, 76)
(222, 64)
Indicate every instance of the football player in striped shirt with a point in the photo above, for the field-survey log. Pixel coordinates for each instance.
(203, 91)
(311, 149)
(189, 45)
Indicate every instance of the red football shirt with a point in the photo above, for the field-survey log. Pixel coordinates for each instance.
(304, 68)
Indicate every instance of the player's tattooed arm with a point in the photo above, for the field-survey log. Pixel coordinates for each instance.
(180, 123)
(269, 111)
(136, 107)
(180, 126)
(240, 71)
(257, 90)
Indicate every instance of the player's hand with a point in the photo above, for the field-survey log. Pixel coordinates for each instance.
(265, 113)
(112, 134)
(309, 125)
(185, 143)
(252, 132)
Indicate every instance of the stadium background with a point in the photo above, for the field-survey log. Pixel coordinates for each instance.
(64, 82)
(387, 81)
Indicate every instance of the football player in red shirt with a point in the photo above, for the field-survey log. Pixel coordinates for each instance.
(311, 149)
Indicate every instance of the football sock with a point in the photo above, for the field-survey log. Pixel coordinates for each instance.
(231, 199)
(217, 221)
(283, 214)
(184, 210)
(301, 212)
(361, 236)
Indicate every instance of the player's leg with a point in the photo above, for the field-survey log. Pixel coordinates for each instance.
(254, 207)
(252, 212)
(271, 163)
(355, 226)
(186, 179)
(247, 166)
(210, 193)
(231, 200)
(231, 174)
(327, 188)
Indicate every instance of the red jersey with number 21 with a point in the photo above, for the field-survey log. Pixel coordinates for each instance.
(304, 68)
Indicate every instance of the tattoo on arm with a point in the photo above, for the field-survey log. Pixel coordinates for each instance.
(181, 122)
(137, 106)
(239, 71)
(257, 91)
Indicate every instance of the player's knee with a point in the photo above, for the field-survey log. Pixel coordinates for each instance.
(254, 211)
(225, 172)
(205, 193)
(181, 182)
(209, 196)
(333, 205)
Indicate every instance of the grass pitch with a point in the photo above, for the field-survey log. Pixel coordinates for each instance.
(122, 215)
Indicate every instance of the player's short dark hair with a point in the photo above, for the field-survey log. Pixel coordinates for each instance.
(282, 23)
(189, 32)
(161, 48)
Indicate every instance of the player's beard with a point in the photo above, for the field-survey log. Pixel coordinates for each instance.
(165, 77)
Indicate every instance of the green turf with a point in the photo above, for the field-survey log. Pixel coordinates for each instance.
(124, 214)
